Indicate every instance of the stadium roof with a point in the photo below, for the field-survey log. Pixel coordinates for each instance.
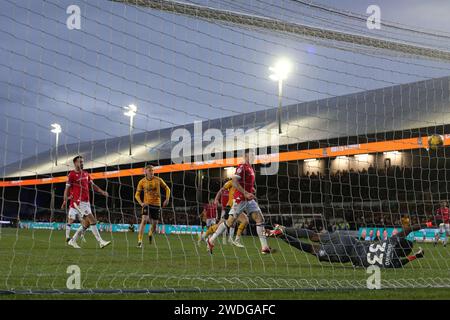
(397, 108)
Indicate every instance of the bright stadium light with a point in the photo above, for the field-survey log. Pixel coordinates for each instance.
(130, 111)
(391, 153)
(279, 73)
(56, 129)
(362, 155)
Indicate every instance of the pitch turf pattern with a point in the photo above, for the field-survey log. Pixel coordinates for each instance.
(38, 260)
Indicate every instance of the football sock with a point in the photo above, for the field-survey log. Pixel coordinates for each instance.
(150, 233)
(220, 229)
(83, 232)
(241, 229)
(210, 231)
(68, 226)
(261, 235)
(77, 234)
(232, 232)
(96, 233)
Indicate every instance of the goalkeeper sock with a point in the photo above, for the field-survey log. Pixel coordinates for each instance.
(220, 229)
(96, 233)
(261, 235)
(68, 227)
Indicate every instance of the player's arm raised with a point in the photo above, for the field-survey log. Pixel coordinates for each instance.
(167, 189)
(218, 195)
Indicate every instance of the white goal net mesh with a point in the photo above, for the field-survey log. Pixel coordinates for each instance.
(364, 117)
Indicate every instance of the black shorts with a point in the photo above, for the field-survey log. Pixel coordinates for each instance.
(153, 211)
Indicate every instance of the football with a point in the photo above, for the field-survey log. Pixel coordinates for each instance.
(435, 141)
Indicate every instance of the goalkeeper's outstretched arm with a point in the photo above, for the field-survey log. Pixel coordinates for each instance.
(302, 233)
(302, 246)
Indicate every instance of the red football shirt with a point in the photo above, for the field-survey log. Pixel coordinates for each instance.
(246, 179)
(211, 211)
(225, 197)
(444, 213)
(79, 183)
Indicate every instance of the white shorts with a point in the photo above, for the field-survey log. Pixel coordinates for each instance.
(85, 208)
(210, 222)
(444, 227)
(247, 206)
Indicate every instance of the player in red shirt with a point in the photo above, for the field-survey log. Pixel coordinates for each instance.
(224, 198)
(78, 186)
(443, 214)
(210, 211)
(244, 200)
(208, 217)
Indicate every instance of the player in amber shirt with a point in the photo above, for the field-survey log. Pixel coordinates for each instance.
(151, 186)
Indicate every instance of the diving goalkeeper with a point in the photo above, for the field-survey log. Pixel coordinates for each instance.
(342, 247)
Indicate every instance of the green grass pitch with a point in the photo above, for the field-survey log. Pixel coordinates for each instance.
(38, 260)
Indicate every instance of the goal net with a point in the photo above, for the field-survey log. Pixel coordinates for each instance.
(348, 147)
